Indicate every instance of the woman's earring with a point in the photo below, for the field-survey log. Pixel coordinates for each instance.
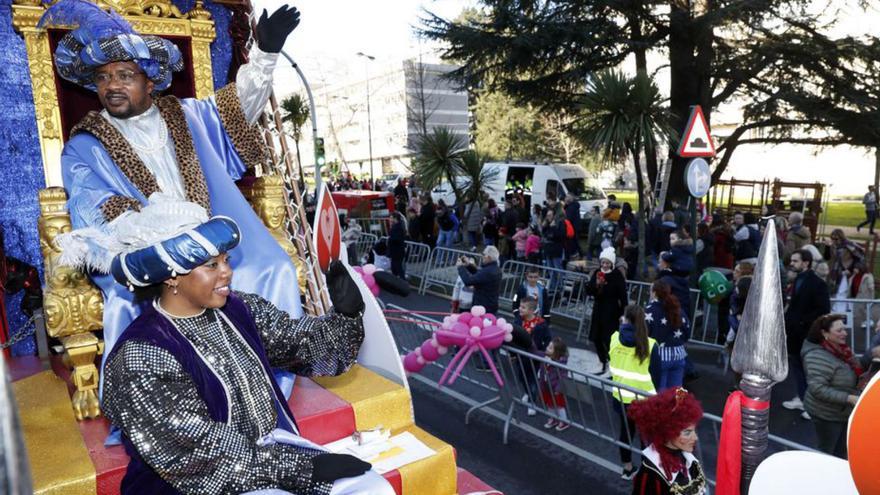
(174, 289)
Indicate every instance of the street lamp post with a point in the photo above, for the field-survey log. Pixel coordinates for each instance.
(312, 117)
(369, 119)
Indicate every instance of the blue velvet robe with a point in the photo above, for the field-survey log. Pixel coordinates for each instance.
(260, 265)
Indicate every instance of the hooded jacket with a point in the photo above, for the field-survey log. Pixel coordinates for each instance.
(796, 237)
(682, 256)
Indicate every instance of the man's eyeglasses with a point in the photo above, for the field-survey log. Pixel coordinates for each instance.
(125, 77)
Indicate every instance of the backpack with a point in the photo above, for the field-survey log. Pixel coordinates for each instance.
(569, 229)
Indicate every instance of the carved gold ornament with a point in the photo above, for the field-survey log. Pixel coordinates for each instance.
(266, 196)
(73, 307)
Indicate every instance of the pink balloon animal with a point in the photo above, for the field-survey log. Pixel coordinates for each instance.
(471, 332)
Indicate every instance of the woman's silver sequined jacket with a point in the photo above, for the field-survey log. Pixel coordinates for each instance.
(154, 401)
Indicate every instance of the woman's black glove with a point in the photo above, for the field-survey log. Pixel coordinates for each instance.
(331, 467)
(273, 31)
(344, 292)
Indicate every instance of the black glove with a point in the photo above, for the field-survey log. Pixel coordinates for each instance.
(273, 31)
(344, 293)
(331, 467)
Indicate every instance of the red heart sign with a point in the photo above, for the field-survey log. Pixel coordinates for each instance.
(328, 236)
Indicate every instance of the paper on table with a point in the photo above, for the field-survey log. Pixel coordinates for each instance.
(385, 454)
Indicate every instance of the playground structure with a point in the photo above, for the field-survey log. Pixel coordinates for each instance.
(750, 196)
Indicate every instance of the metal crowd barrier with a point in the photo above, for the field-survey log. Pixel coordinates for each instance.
(363, 245)
(441, 271)
(376, 226)
(416, 260)
(569, 300)
(861, 318)
(588, 404)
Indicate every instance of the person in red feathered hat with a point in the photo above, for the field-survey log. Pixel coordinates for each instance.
(667, 423)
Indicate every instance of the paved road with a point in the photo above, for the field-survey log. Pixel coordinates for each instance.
(526, 466)
(712, 388)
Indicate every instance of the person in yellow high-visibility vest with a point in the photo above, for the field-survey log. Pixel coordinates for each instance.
(632, 358)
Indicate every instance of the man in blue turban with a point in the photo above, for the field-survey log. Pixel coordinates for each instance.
(143, 147)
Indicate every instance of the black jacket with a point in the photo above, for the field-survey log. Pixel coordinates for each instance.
(573, 215)
(426, 221)
(809, 300)
(397, 241)
(552, 239)
(608, 304)
(509, 219)
(486, 283)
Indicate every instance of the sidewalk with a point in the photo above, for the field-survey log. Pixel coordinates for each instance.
(851, 232)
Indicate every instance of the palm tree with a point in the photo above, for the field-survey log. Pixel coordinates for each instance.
(476, 177)
(438, 157)
(295, 111)
(624, 116)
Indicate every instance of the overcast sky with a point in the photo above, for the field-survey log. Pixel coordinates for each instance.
(332, 32)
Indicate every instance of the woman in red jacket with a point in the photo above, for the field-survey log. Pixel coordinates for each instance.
(722, 241)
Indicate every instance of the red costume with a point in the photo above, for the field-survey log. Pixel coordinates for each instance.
(664, 470)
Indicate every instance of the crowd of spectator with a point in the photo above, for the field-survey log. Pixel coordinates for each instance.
(645, 346)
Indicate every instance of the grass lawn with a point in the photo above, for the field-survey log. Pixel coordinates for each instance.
(846, 213)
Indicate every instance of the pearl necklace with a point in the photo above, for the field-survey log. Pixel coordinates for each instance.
(129, 125)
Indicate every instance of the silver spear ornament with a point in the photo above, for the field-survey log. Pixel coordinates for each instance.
(759, 352)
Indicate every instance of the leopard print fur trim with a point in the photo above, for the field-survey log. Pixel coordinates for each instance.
(120, 152)
(247, 139)
(117, 205)
(133, 167)
(190, 169)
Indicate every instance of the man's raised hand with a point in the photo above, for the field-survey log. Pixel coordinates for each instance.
(272, 31)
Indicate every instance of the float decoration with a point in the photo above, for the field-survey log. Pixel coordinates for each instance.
(472, 332)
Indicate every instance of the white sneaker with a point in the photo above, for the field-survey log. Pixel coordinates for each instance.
(793, 404)
(531, 410)
(805, 415)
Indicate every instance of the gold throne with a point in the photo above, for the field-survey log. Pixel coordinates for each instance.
(73, 306)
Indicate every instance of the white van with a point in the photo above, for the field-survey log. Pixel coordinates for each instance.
(535, 180)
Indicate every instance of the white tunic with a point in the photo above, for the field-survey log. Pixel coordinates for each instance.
(148, 134)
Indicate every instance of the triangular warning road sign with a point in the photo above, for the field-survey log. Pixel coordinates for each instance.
(696, 141)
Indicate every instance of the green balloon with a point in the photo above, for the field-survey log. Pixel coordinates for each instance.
(714, 286)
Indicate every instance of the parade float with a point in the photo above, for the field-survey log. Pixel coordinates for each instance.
(56, 394)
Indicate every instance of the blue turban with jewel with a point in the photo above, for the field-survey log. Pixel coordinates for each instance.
(100, 37)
